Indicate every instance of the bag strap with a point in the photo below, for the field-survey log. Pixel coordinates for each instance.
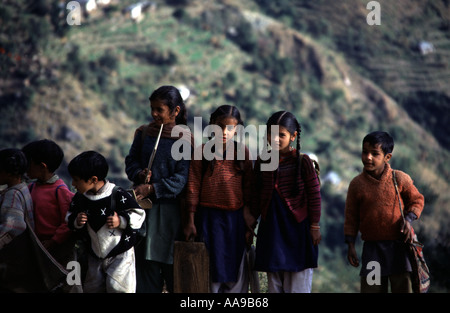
(113, 198)
(398, 194)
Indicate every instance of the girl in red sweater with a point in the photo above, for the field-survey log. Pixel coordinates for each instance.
(288, 200)
(218, 191)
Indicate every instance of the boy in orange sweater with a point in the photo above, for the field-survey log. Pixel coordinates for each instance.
(372, 209)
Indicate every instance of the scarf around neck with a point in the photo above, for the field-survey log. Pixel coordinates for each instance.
(153, 129)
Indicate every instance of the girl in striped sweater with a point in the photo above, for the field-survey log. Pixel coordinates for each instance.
(218, 192)
(289, 203)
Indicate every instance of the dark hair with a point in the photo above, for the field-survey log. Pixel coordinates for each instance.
(45, 151)
(171, 97)
(288, 121)
(13, 161)
(380, 138)
(88, 164)
(227, 111)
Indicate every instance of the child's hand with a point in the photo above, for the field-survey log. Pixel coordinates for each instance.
(407, 231)
(190, 231)
(316, 236)
(144, 176)
(81, 219)
(143, 191)
(113, 221)
(250, 222)
(351, 255)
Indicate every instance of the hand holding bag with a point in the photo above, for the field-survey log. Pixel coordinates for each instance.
(420, 276)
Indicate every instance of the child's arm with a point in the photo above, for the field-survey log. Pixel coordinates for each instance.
(351, 222)
(75, 218)
(12, 218)
(192, 197)
(248, 179)
(64, 198)
(352, 257)
(413, 202)
(171, 187)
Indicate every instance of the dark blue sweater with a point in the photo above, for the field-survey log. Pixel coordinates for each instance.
(168, 176)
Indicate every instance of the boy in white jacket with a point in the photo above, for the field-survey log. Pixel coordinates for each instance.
(111, 218)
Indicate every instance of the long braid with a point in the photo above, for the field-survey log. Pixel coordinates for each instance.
(299, 165)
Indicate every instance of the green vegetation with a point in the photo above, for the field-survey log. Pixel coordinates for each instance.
(87, 87)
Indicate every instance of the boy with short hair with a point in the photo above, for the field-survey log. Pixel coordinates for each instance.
(372, 208)
(51, 198)
(110, 217)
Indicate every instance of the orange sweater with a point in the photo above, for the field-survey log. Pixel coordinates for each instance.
(226, 188)
(372, 205)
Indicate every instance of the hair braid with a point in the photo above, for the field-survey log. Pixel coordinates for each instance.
(299, 160)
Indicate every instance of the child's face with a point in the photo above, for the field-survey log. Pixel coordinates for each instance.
(228, 125)
(3, 177)
(34, 170)
(81, 185)
(282, 140)
(374, 159)
(161, 112)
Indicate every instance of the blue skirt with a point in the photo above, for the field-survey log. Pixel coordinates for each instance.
(283, 244)
(224, 235)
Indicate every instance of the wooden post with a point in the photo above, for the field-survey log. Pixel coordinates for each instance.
(190, 267)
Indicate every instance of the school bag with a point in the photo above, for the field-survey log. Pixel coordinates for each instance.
(130, 235)
(33, 269)
(420, 276)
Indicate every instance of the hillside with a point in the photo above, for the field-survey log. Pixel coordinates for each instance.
(87, 87)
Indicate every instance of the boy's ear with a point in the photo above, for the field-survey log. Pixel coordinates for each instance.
(387, 157)
(94, 179)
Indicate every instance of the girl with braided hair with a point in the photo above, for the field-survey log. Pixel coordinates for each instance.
(219, 196)
(289, 203)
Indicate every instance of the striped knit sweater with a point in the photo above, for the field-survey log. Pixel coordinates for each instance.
(13, 203)
(306, 204)
(225, 188)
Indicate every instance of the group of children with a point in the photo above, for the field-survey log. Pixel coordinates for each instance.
(218, 201)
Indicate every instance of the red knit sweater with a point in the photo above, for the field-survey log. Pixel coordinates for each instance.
(50, 203)
(307, 203)
(225, 188)
(372, 205)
